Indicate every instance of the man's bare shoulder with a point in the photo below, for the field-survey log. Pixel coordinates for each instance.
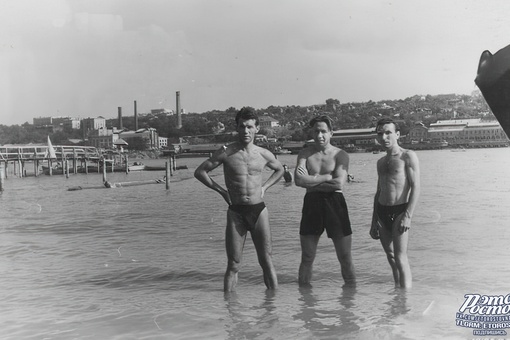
(229, 149)
(223, 152)
(409, 156)
(339, 152)
(306, 152)
(265, 153)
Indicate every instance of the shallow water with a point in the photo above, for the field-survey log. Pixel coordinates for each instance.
(142, 262)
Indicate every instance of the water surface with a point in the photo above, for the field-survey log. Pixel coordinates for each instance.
(142, 262)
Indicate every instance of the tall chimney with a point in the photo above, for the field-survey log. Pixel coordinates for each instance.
(136, 118)
(178, 109)
(119, 123)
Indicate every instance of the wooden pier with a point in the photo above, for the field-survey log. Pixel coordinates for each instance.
(68, 158)
(71, 159)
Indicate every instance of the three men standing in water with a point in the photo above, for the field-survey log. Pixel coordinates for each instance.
(321, 169)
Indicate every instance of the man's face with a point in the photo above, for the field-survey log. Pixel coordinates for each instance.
(387, 136)
(247, 130)
(321, 134)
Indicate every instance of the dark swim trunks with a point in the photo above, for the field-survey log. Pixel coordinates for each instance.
(325, 210)
(247, 214)
(388, 213)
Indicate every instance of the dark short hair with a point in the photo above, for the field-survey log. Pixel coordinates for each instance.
(247, 113)
(387, 120)
(323, 119)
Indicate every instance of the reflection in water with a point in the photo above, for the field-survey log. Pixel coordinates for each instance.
(397, 306)
(250, 322)
(326, 319)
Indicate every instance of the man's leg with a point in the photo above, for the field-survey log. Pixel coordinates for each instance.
(344, 255)
(235, 236)
(400, 242)
(386, 237)
(261, 236)
(308, 251)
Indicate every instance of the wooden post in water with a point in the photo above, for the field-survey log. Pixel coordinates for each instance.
(50, 166)
(175, 163)
(167, 175)
(62, 158)
(36, 165)
(2, 175)
(67, 168)
(85, 160)
(127, 163)
(75, 165)
(20, 167)
(104, 170)
(6, 168)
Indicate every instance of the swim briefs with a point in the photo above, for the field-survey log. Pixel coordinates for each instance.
(247, 214)
(388, 213)
(325, 210)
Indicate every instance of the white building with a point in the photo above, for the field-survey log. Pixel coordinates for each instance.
(268, 122)
(163, 142)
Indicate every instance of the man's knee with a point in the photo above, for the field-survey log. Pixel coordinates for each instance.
(234, 265)
(264, 258)
(401, 257)
(307, 257)
(344, 256)
(390, 255)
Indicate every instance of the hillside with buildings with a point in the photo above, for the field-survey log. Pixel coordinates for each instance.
(459, 120)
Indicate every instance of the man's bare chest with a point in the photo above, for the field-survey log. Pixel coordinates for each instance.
(245, 163)
(321, 163)
(391, 167)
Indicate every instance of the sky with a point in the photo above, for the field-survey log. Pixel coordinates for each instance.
(86, 58)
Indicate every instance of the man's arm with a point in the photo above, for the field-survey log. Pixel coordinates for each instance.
(413, 177)
(374, 228)
(276, 166)
(339, 174)
(202, 173)
(301, 176)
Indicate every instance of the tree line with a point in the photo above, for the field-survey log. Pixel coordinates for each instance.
(292, 119)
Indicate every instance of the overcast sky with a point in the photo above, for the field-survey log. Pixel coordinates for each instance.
(85, 58)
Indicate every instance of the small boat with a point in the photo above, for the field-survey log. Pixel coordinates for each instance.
(282, 152)
(350, 148)
(136, 166)
(155, 167)
(55, 170)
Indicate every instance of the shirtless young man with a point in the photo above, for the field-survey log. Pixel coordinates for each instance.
(322, 169)
(398, 189)
(243, 164)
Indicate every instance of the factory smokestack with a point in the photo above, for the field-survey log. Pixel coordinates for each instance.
(178, 109)
(119, 123)
(136, 118)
